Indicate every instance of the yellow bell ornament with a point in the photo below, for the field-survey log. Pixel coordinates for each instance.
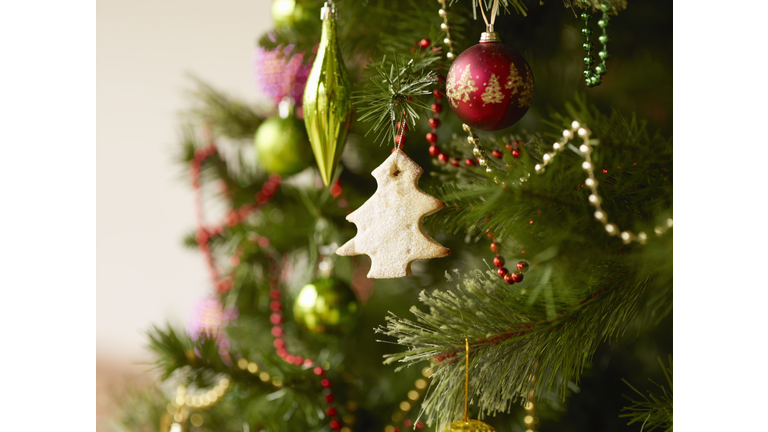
(327, 99)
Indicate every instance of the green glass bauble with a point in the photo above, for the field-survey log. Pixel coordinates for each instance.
(589, 60)
(282, 146)
(288, 12)
(326, 306)
(586, 31)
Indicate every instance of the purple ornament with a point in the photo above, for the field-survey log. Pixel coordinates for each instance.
(280, 73)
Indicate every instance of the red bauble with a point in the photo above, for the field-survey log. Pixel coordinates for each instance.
(490, 86)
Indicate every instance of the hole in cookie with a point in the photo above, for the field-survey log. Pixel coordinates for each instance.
(408, 251)
(394, 174)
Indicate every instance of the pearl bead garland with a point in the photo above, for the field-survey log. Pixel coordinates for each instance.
(594, 198)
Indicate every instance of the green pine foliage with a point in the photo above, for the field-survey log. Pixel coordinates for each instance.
(655, 410)
(583, 286)
(584, 289)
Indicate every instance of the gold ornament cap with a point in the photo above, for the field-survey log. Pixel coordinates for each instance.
(489, 36)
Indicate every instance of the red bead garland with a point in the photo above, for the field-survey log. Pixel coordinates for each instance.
(233, 218)
(279, 343)
(498, 261)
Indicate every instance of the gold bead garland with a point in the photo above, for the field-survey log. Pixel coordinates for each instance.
(178, 409)
(530, 419)
(594, 198)
(420, 386)
(478, 150)
(253, 368)
(446, 28)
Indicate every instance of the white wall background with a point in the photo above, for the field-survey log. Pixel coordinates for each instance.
(144, 205)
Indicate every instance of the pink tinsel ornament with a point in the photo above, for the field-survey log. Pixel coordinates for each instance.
(210, 317)
(280, 73)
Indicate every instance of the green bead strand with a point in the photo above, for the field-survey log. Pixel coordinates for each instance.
(594, 78)
(601, 69)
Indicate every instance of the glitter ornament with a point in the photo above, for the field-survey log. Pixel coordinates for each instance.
(327, 99)
(281, 142)
(209, 318)
(489, 85)
(470, 426)
(280, 73)
(389, 224)
(326, 306)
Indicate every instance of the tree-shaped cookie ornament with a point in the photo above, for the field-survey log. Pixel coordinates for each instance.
(389, 224)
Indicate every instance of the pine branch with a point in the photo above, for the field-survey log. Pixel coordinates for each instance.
(230, 117)
(655, 410)
(511, 340)
(397, 96)
(583, 286)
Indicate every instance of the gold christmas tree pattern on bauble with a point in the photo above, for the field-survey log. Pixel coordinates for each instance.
(460, 90)
(327, 99)
(389, 224)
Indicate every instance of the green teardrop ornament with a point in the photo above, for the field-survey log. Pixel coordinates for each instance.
(327, 100)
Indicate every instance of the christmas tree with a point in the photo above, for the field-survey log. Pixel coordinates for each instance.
(519, 255)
